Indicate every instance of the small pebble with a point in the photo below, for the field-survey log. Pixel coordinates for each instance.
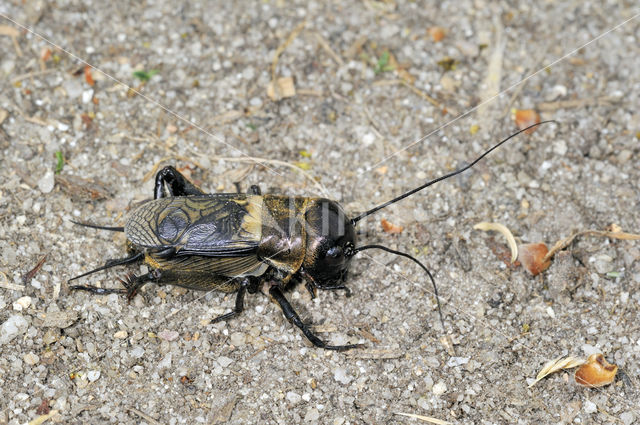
(168, 335)
(224, 361)
(120, 335)
(590, 407)
(12, 327)
(31, 358)
(22, 303)
(294, 398)
(312, 415)
(137, 352)
(45, 184)
(93, 375)
(341, 376)
(627, 418)
(439, 388)
(238, 339)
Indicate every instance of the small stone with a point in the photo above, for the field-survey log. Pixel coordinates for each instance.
(120, 335)
(93, 375)
(22, 303)
(294, 398)
(59, 319)
(224, 361)
(312, 415)
(31, 359)
(168, 335)
(165, 363)
(457, 361)
(590, 407)
(137, 352)
(238, 339)
(341, 376)
(627, 418)
(45, 184)
(439, 388)
(87, 95)
(14, 326)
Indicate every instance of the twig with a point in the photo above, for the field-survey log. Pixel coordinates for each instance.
(31, 75)
(563, 243)
(281, 48)
(325, 45)
(143, 415)
(577, 103)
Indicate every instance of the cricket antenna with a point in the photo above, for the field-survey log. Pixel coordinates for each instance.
(422, 266)
(446, 176)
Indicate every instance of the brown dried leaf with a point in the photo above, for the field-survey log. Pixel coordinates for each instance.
(556, 365)
(596, 372)
(502, 229)
(88, 77)
(525, 118)
(390, 227)
(533, 257)
(436, 33)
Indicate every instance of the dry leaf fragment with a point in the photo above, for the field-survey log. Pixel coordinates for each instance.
(281, 88)
(596, 372)
(87, 76)
(502, 229)
(533, 257)
(436, 33)
(525, 118)
(556, 365)
(390, 227)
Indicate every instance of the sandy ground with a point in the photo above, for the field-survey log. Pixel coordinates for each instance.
(351, 125)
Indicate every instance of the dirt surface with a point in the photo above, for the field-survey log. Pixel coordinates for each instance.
(351, 125)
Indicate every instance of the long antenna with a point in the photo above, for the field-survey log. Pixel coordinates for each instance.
(446, 176)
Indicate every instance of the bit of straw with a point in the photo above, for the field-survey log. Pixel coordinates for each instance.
(484, 226)
(556, 365)
(424, 418)
(563, 243)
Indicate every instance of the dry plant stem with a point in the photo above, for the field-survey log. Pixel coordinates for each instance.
(281, 48)
(563, 243)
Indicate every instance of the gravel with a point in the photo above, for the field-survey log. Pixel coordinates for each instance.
(351, 125)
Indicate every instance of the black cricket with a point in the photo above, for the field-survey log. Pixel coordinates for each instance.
(235, 242)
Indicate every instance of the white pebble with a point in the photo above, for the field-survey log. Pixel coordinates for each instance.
(590, 407)
(137, 352)
(439, 388)
(93, 375)
(224, 361)
(238, 339)
(341, 376)
(87, 95)
(312, 415)
(22, 303)
(14, 326)
(45, 184)
(31, 359)
(165, 363)
(294, 398)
